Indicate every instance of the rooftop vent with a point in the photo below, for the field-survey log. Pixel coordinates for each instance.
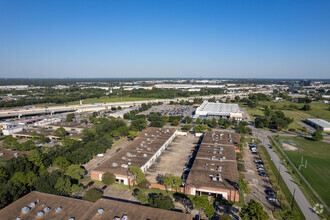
(124, 217)
(114, 164)
(71, 218)
(149, 149)
(123, 157)
(26, 209)
(32, 204)
(100, 211)
(58, 209)
(128, 154)
(214, 178)
(145, 155)
(41, 213)
(116, 218)
(46, 209)
(124, 165)
(129, 163)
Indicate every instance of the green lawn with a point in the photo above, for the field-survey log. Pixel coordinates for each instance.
(317, 155)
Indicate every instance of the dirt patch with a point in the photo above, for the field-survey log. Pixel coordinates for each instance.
(289, 147)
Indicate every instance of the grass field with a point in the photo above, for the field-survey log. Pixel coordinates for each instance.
(319, 110)
(317, 155)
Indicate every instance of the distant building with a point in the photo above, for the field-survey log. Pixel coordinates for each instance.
(69, 126)
(317, 123)
(37, 205)
(17, 87)
(218, 110)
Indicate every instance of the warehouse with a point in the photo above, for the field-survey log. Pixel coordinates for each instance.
(37, 205)
(145, 149)
(218, 110)
(320, 124)
(214, 171)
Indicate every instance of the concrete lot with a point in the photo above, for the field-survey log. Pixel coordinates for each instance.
(174, 159)
(121, 194)
(257, 183)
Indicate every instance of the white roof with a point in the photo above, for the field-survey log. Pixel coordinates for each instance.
(212, 108)
(320, 122)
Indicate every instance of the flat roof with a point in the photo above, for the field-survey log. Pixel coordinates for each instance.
(319, 122)
(215, 163)
(70, 124)
(83, 210)
(139, 152)
(45, 132)
(213, 108)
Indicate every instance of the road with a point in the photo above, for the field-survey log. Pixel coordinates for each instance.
(300, 198)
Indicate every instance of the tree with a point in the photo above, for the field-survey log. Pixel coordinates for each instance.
(317, 135)
(63, 185)
(244, 186)
(132, 135)
(61, 162)
(30, 178)
(69, 117)
(35, 157)
(167, 181)
(253, 211)
(28, 145)
(237, 98)
(10, 143)
(175, 123)
(214, 123)
(108, 178)
(141, 196)
(138, 175)
(203, 204)
(200, 129)
(74, 171)
(60, 132)
(161, 201)
(306, 108)
(188, 119)
(177, 181)
(183, 199)
(92, 195)
(139, 124)
(304, 129)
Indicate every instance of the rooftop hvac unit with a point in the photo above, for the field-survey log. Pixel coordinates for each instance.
(46, 209)
(116, 218)
(124, 217)
(211, 175)
(220, 179)
(220, 159)
(145, 134)
(141, 144)
(223, 157)
(123, 157)
(100, 211)
(41, 213)
(128, 154)
(32, 204)
(144, 155)
(71, 218)
(114, 164)
(220, 152)
(212, 169)
(18, 218)
(26, 209)
(214, 178)
(148, 139)
(129, 163)
(124, 165)
(149, 149)
(58, 209)
(212, 164)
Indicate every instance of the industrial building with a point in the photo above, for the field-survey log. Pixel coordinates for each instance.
(37, 205)
(320, 124)
(214, 171)
(142, 152)
(69, 126)
(218, 110)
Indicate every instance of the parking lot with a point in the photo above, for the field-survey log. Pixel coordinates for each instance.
(258, 184)
(172, 110)
(173, 159)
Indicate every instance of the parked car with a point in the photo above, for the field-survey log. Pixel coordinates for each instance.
(258, 161)
(186, 169)
(272, 199)
(104, 187)
(270, 192)
(261, 169)
(260, 165)
(263, 174)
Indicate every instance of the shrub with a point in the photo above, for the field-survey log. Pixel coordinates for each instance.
(92, 195)
(108, 178)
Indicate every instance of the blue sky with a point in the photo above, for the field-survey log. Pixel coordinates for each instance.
(123, 38)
